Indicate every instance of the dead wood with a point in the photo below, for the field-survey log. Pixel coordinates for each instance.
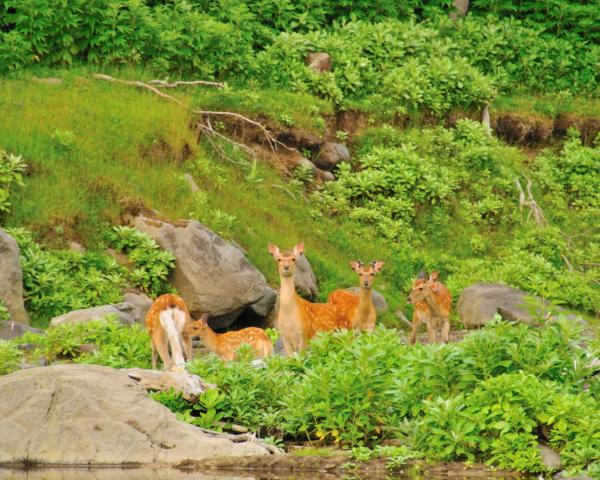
(189, 385)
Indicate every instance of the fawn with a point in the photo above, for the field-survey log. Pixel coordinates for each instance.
(358, 309)
(166, 321)
(225, 345)
(432, 301)
(299, 320)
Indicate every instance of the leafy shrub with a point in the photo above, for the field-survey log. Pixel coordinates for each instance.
(151, 264)
(15, 52)
(58, 282)
(10, 357)
(119, 346)
(12, 168)
(4, 314)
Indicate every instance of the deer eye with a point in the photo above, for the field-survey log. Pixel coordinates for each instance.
(293, 259)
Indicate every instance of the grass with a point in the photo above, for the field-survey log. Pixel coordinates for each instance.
(550, 106)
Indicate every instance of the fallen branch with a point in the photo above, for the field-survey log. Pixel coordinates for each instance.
(271, 140)
(400, 314)
(530, 202)
(244, 437)
(191, 386)
(165, 84)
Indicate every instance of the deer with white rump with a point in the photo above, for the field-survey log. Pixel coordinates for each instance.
(166, 321)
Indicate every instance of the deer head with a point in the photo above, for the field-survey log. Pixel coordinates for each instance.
(198, 327)
(423, 286)
(366, 273)
(286, 261)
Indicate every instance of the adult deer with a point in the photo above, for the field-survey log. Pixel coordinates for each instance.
(432, 301)
(299, 320)
(226, 344)
(166, 321)
(358, 310)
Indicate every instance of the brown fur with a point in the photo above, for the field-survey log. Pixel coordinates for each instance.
(433, 302)
(158, 335)
(358, 310)
(225, 345)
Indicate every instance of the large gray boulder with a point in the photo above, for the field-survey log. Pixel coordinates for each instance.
(131, 310)
(210, 274)
(91, 415)
(331, 154)
(305, 279)
(11, 279)
(480, 302)
(10, 330)
(377, 298)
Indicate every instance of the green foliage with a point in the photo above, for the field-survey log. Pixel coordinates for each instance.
(10, 357)
(59, 281)
(151, 265)
(118, 346)
(12, 168)
(4, 314)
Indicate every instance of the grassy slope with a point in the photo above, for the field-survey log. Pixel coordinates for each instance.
(126, 145)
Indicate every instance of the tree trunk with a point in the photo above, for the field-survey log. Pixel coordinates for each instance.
(461, 7)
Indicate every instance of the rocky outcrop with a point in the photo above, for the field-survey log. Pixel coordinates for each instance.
(318, 62)
(10, 330)
(11, 279)
(331, 154)
(377, 298)
(479, 303)
(305, 279)
(91, 415)
(131, 310)
(210, 274)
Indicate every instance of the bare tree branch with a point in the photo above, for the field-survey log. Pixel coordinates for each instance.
(165, 84)
(530, 202)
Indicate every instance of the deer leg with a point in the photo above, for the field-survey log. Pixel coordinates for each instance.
(162, 347)
(154, 355)
(187, 347)
(445, 330)
(431, 331)
(416, 321)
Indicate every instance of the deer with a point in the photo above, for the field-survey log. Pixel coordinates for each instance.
(358, 310)
(432, 301)
(225, 345)
(299, 320)
(166, 322)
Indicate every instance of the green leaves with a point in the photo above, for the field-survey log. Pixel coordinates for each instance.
(12, 168)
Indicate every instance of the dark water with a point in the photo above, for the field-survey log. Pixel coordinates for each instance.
(172, 474)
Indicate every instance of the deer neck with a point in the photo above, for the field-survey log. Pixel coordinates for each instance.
(432, 304)
(365, 302)
(210, 339)
(287, 295)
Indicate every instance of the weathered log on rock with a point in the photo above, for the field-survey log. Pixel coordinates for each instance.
(191, 386)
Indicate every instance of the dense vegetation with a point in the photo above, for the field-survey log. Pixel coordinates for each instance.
(499, 391)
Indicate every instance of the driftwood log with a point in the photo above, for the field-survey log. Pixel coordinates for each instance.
(191, 386)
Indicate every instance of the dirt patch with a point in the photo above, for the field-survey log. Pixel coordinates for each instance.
(589, 127)
(517, 129)
(339, 466)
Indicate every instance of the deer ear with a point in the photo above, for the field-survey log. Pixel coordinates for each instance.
(299, 249)
(355, 265)
(422, 274)
(434, 276)
(204, 318)
(378, 265)
(274, 250)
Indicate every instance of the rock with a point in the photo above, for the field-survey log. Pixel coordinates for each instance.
(378, 299)
(325, 176)
(132, 310)
(211, 275)
(479, 303)
(91, 415)
(461, 7)
(191, 182)
(10, 330)
(76, 247)
(266, 303)
(305, 280)
(87, 348)
(550, 459)
(120, 258)
(278, 348)
(318, 62)
(306, 163)
(11, 279)
(331, 154)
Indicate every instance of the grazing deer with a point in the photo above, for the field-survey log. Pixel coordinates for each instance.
(432, 301)
(166, 321)
(225, 345)
(358, 310)
(299, 320)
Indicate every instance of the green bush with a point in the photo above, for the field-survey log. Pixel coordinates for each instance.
(57, 282)
(12, 168)
(151, 264)
(10, 357)
(4, 315)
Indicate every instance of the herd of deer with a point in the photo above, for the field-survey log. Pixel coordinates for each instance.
(298, 320)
